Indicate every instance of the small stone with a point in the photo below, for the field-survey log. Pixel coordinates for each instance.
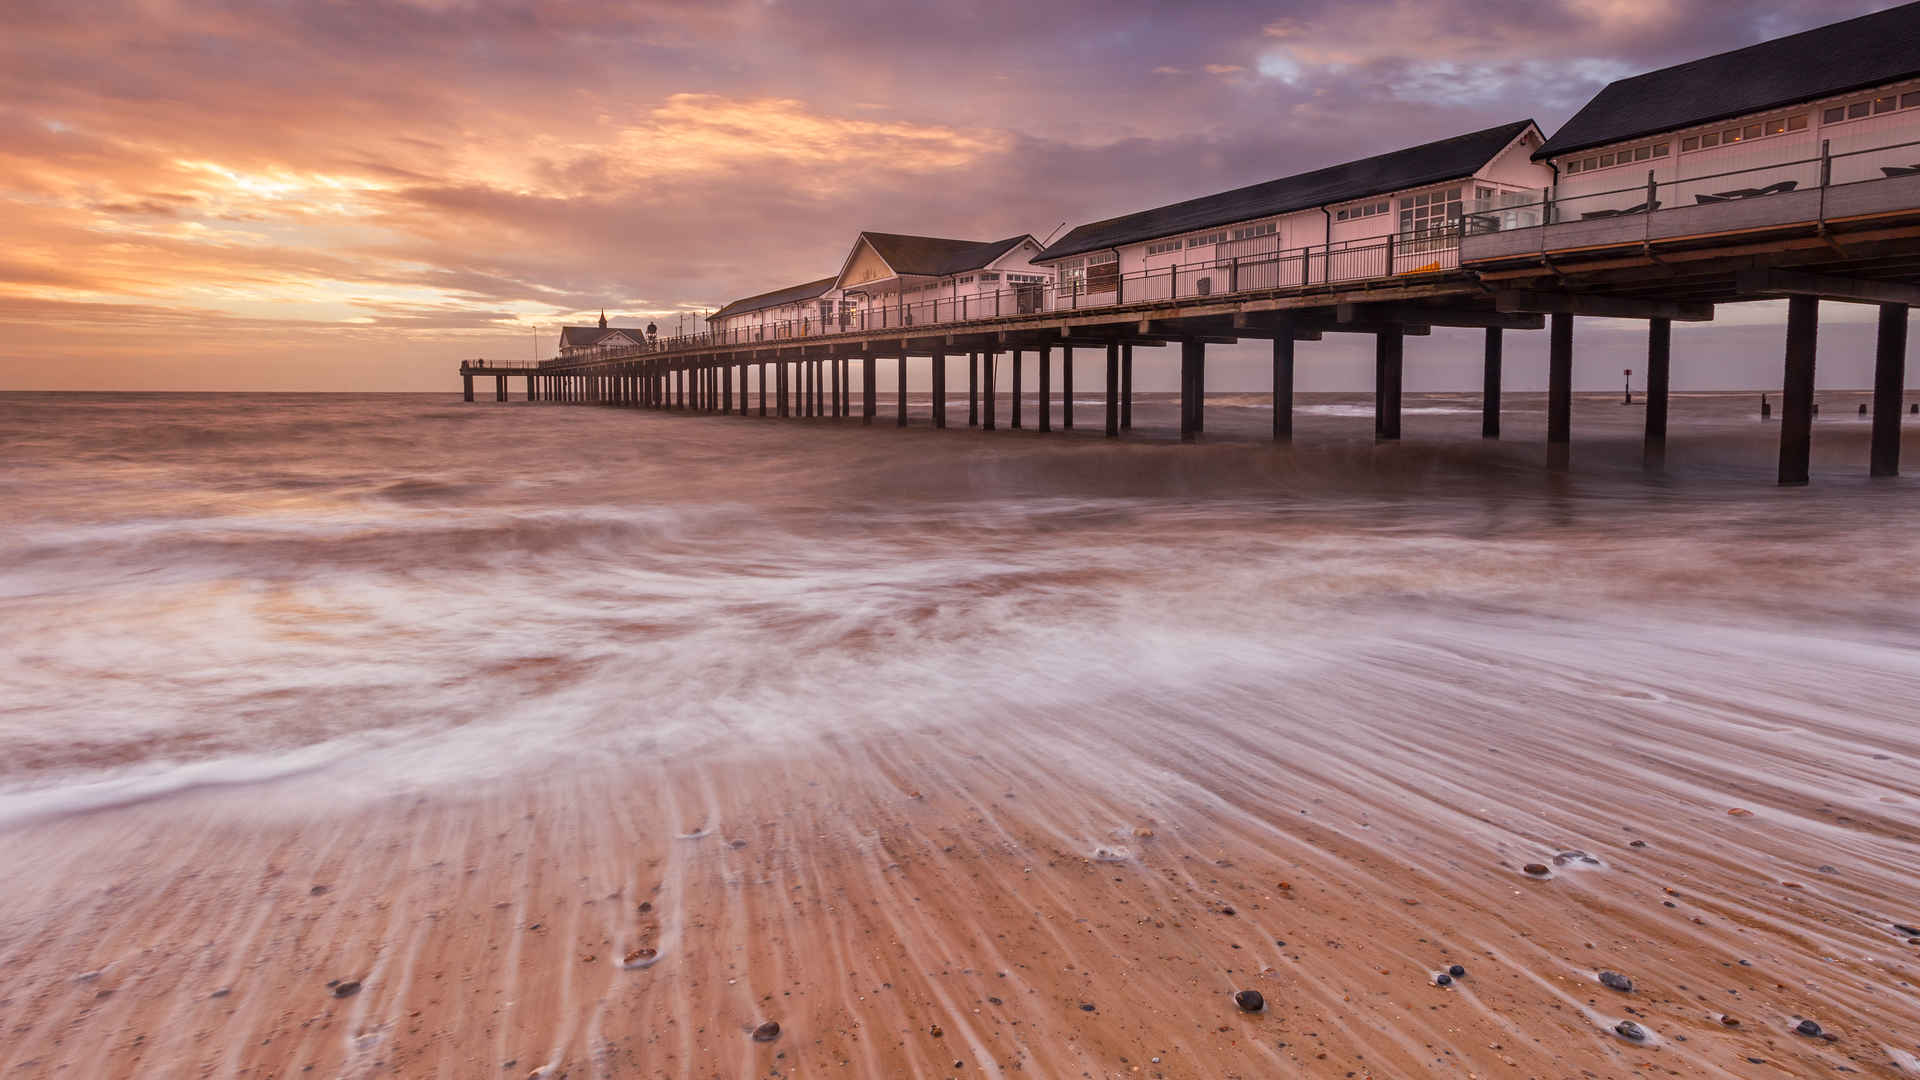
(1826, 869)
(1907, 930)
(1637, 843)
(1729, 1021)
(936, 1031)
(1537, 869)
(1226, 911)
(1629, 1030)
(1443, 979)
(1457, 971)
(1613, 980)
(1142, 832)
(317, 890)
(1738, 812)
(645, 906)
(994, 1001)
(1086, 1006)
(222, 992)
(1808, 1028)
(346, 989)
(766, 1032)
(1249, 1000)
(737, 844)
(641, 957)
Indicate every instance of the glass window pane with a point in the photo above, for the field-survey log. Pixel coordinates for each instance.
(1884, 104)
(1606, 160)
(1799, 123)
(1712, 139)
(1833, 116)
(1775, 127)
(1691, 142)
(1643, 153)
(1753, 131)
(1660, 151)
(1857, 110)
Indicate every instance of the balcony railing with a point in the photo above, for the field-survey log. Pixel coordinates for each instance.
(1379, 258)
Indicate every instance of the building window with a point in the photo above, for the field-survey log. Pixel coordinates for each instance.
(1250, 232)
(990, 277)
(968, 280)
(1365, 210)
(1617, 157)
(1779, 125)
(1854, 110)
(1207, 239)
(1025, 279)
(1162, 247)
(1429, 211)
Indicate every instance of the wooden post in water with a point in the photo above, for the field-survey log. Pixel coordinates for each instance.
(973, 389)
(1013, 415)
(466, 386)
(1126, 386)
(1659, 356)
(1066, 388)
(1889, 380)
(1045, 419)
(988, 400)
(1283, 385)
(1560, 392)
(1113, 389)
(869, 384)
(780, 389)
(1490, 385)
(1192, 381)
(900, 403)
(1796, 397)
(939, 388)
(1389, 352)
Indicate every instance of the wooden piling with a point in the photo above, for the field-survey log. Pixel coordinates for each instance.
(466, 386)
(973, 389)
(869, 384)
(1889, 382)
(1659, 357)
(939, 388)
(1044, 422)
(1192, 387)
(1490, 384)
(1796, 397)
(1113, 389)
(1283, 386)
(900, 399)
(1013, 415)
(1560, 392)
(988, 400)
(1066, 388)
(1389, 349)
(1126, 386)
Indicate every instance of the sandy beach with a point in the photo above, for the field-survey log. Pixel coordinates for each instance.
(1027, 779)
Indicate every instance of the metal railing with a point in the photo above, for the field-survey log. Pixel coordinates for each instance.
(1374, 258)
(1827, 169)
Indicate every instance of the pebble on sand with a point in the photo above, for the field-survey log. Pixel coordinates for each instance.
(1443, 979)
(641, 957)
(1627, 1029)
(1910, 931)
(346, 989)
(936, 1031)
(1536, 869)
(1086, 1006)
(1729, 1021)
(1249, 1000)
(1808, 1028)
(1613, 980)
(766, 1032)
(1457, 971)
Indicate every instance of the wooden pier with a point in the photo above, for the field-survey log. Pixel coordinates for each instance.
(1859, 243)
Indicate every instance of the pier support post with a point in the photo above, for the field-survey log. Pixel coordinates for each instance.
(1796, 397)
(780, 389)
(839, 366)
(1889, 382)
(1013, 415)
(1659, 356)
(1044, 422)
(1490, 384)
(939, 388)
(1560, 392)
(820, 388)
(1283, 385)
(988, 399)
(869, 385)
(1389, 351)
(466, 386)
(973, 389)
(726, 388)
(1066, 388)
(1113, 389)
(1193, 382)
(900, 399)
(1126, 386)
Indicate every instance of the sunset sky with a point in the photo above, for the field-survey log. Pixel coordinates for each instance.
(350, 196)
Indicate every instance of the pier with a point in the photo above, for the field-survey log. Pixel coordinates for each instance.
(1668, 195)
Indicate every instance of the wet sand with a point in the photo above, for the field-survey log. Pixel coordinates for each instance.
(1042, 810)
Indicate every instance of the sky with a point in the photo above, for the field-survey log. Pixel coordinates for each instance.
(349, 195)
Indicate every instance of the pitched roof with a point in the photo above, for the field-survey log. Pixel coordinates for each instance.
(790, 295)
(582, 336)
(932, 256)
(1833, 59)
(1431, 163)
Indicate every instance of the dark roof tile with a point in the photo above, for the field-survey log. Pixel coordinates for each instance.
(778, 297)
(932, 256)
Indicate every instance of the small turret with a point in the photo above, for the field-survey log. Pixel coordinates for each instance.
(603, 318)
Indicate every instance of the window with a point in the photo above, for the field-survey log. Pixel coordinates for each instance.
(1162, 247)
(1207, 239)
(1249, 232)
(990, 276)
(1778, 125)
(1908, 101)
(1367, 210)
(968, 280)
(1103, 257)
(1429, 211)
(1884, 104)
(1618, 157)
(1026, 279)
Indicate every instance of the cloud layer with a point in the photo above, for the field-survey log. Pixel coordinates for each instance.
(348, 195)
